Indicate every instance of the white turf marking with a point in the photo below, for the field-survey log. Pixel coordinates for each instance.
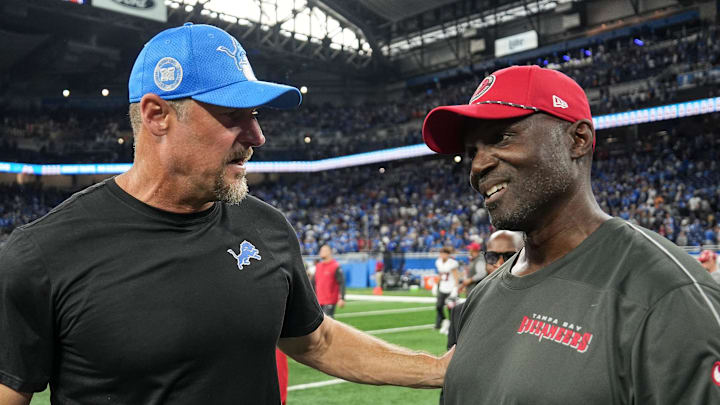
(315, 384)
(389, 298)
(402, 329)
(383, 312)
(371, 332)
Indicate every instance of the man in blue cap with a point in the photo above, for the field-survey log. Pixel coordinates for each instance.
(168, 283)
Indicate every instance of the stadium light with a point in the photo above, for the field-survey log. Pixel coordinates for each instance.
(308, 139)
(105, 92)
(188, 9)
(381, 170)
(121, 141)
(458, 159)
(66, 93)
(638, 42)
(303, 89)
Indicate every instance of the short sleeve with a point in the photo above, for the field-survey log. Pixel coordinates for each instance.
(302, 314)
(26, 326)
(676, 354)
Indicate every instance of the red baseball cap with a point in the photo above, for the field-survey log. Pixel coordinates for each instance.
(707, 255)
(473, 246)
(512, 92)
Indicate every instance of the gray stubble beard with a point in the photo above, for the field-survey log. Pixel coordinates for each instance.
(231, 193)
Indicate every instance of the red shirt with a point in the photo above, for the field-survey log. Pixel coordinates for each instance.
(282, 369)
(326, 285)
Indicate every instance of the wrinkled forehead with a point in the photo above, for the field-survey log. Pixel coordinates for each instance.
(486, 130)
(474, 130)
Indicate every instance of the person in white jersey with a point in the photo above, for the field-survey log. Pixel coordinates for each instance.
(447, 268)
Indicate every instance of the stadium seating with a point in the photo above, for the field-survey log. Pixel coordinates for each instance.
(667, 182)
(673, 64)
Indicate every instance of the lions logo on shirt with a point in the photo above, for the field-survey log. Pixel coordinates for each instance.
(247, 252)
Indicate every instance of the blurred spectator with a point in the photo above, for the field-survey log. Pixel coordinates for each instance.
(708, 259)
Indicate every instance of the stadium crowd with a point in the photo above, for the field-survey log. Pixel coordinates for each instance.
(667, 183)
(665, 68)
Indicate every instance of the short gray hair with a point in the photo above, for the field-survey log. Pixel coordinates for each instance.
(179, 105)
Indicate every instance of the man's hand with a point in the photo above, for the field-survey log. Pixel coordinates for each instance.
(445, 359)
(342, 351)
(341, 303)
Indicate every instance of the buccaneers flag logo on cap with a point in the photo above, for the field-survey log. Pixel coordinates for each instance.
(483, 88)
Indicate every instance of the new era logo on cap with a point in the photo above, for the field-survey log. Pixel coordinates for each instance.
(558, 102)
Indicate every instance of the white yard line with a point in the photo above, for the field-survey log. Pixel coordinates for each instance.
(389, 298)
(396, 330)
(371, 332)
(315, 384)
(383, 312)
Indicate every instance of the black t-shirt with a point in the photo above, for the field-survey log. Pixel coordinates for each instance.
(625, 318)
(112, 301)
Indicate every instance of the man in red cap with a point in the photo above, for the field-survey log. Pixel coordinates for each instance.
(593, 309)
(708, 259)
(475, 269)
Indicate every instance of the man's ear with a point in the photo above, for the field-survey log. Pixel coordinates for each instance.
(155, 113)
(583, 138)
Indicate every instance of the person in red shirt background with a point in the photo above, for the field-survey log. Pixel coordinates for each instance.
(283, 374)
(329, 282)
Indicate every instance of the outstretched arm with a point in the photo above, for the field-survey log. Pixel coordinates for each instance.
(343, 351)
(8, 396)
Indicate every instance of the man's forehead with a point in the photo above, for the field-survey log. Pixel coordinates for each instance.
(218, 109)
(474, 128)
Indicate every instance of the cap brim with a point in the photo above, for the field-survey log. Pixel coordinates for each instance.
(442, 129)
(251, 94)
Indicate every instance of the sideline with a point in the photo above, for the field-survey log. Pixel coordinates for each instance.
(339, 380)
(383, 312)
(390, 298)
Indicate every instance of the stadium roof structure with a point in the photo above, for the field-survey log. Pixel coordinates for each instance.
(61, 41)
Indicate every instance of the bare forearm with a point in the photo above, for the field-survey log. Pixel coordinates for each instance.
(9, 396)
(359, 357)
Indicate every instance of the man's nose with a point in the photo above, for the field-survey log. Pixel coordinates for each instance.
(482, 162)
(251, 135)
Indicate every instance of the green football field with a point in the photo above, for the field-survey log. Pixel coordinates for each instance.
(407, 324)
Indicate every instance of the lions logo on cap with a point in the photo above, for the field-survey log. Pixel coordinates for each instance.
(168, 74)
(483, 88)
(241, 60)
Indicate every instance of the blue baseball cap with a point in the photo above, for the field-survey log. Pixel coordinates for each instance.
(206, 64)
